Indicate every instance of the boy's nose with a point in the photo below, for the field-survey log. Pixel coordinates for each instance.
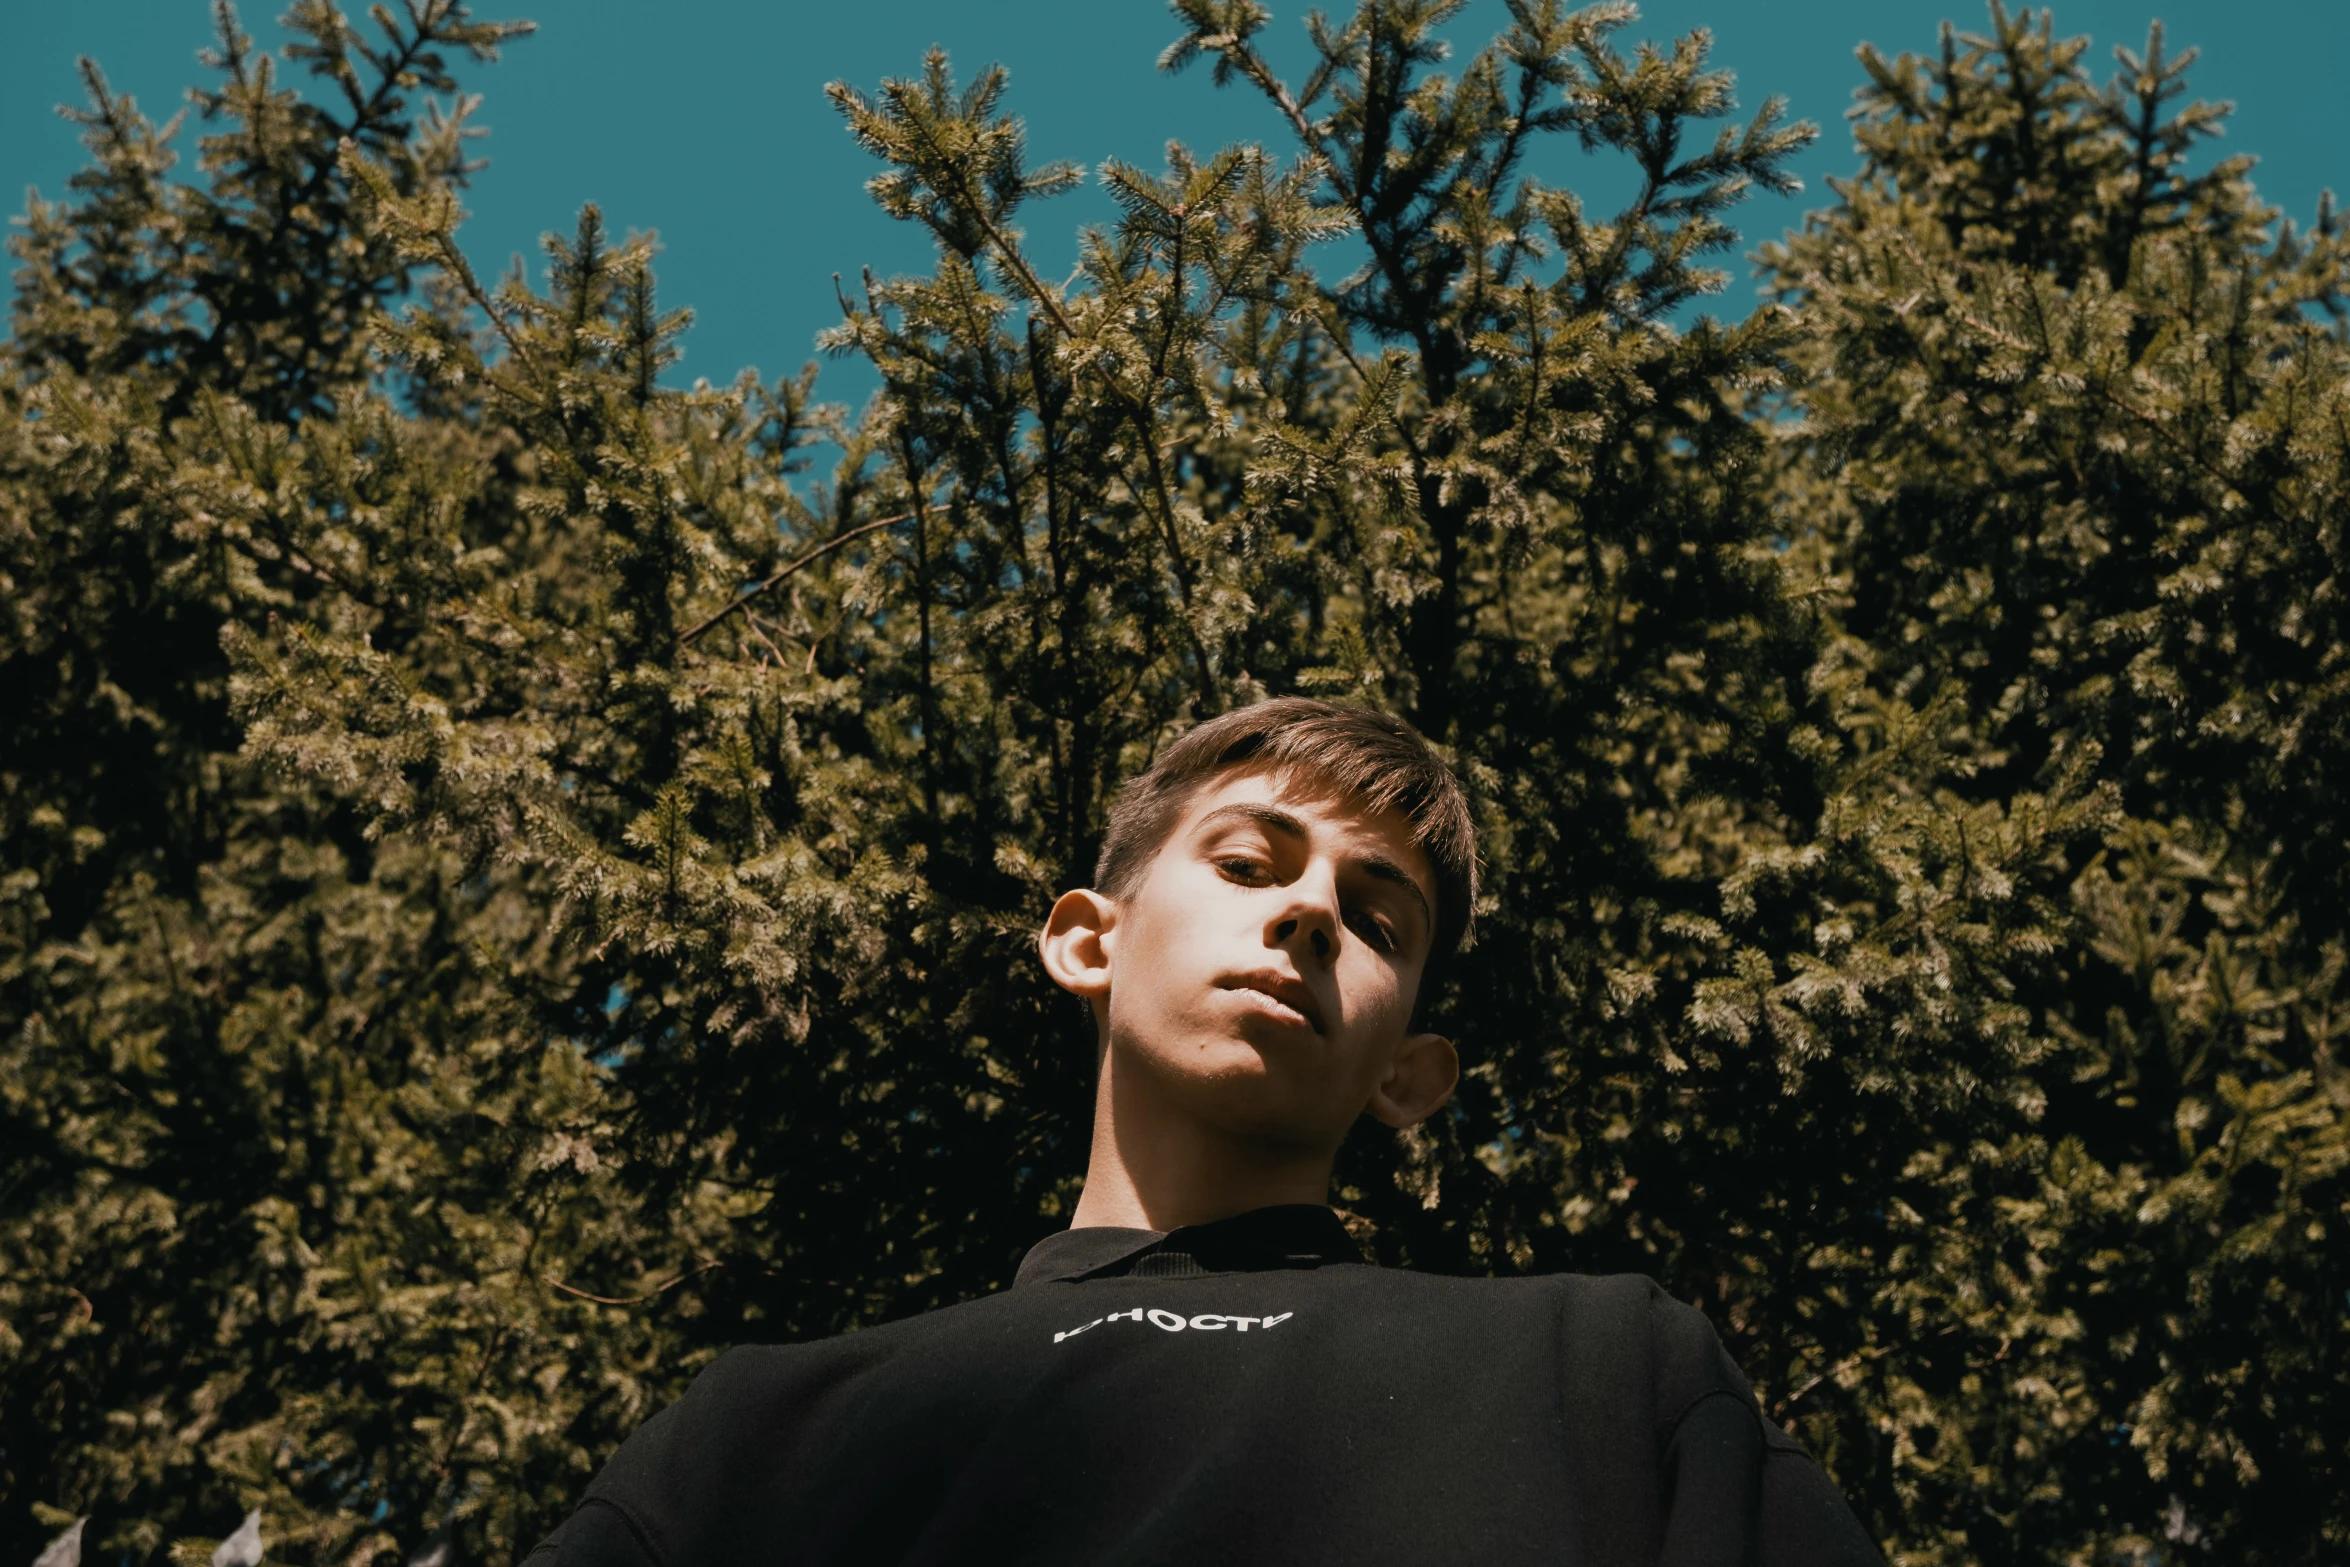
(1316, 933)
(1311, 912)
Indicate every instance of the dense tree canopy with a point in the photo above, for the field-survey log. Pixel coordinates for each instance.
(2075, 458)
(516, 879)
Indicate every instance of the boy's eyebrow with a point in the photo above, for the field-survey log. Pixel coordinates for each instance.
(1273, 819)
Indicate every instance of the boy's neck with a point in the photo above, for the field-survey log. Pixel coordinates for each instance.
(1154, 1168)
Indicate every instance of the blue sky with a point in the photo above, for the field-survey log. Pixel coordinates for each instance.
(706, 120)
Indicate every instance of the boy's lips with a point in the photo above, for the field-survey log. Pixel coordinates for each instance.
(1287, 989)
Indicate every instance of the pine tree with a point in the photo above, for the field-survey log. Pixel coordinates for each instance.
(287, 1164)
(596, 860)
(808, 787)
(2072, 460)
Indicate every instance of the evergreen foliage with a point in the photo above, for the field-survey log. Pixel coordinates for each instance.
(514, 884)
(284, 1169)
(2075, 461)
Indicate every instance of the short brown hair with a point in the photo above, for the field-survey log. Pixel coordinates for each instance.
(1380, 761)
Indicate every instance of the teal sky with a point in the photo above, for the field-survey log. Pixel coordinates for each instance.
(706, 121)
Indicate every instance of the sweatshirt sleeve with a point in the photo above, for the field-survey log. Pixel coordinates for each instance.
(598, 1535)
(618, 1523)
(1804, 1521)
(687, 1483)
(1737, 1489)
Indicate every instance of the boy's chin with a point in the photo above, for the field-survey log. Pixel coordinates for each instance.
(1247, 1088)
(1211, 1060)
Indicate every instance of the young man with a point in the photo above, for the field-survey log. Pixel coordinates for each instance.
(1202, 1368)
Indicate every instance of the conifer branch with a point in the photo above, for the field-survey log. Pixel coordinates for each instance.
(916, 483)
(787, 572)
(1234, 47)
(655, 1293)
(1139, 413)
(751, 622)
(949, 175)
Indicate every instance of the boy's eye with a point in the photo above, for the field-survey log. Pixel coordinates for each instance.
(1374, 930)
(1241, 868)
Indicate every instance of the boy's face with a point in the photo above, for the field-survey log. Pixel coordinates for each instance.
(1263, 972)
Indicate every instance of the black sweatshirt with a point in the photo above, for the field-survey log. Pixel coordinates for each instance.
(1246, 1391)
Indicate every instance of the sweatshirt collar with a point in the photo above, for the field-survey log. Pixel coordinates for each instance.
(1292, 1235)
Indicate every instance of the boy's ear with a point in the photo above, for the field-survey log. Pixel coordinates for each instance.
(1075, 944)
(1418, 1082)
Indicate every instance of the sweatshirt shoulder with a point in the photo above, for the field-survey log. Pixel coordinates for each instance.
(715, 1451)
(751, 1390)
(1696, 1393)
(1627, 1327)
(1623, 1324)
